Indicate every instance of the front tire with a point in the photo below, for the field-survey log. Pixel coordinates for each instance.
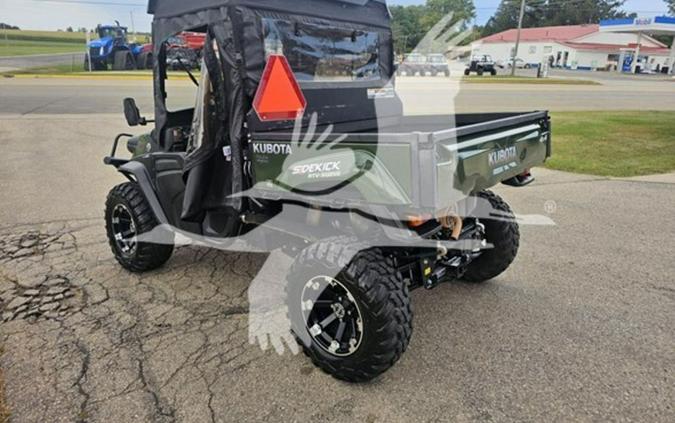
(96, 65)
(127, 215)
(349, 308)
(503, 234)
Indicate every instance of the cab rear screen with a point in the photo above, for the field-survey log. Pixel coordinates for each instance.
(319, 53)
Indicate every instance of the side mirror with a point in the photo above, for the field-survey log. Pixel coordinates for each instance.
(131, 113)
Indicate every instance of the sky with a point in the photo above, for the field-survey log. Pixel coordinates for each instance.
(59, 14)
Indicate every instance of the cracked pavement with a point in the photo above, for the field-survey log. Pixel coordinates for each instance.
(580, 328)
(135, 347)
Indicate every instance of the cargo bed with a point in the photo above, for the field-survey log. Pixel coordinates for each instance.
(412, 161)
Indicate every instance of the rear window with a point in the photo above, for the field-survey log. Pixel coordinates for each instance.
(319, 53)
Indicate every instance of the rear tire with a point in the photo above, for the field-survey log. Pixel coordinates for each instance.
(504, 235)
(127, 215)
(375, 292)
(467, 72)
(124, 61)
(145, 60)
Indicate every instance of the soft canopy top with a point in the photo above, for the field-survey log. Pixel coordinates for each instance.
(371, 12)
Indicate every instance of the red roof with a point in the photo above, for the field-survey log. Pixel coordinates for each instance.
(614, 48)
(547, 33)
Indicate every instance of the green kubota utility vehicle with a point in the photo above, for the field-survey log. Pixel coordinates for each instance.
(298, 134)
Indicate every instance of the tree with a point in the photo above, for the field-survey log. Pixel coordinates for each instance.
(554, 12)
(69, 29)
(411, 23)
(575, 12)
(671, 6)
(407, 26)
(507, 16)
(463, 11)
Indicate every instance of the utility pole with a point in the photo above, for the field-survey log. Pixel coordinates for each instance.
(133, 29)
(635, 64)
(520, 27)
(88, 51)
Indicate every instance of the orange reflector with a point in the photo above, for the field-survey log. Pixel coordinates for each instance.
(279, 96)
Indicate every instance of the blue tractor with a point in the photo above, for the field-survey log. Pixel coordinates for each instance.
(112, 49)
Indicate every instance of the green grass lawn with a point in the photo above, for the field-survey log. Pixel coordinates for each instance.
(51, 36)
(613, 143)
(27, 47)
(23, 42)
(488, 79)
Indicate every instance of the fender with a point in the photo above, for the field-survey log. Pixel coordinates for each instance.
(136, 171)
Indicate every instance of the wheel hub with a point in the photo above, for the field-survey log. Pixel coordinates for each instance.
(332, 316)
(339, 310)
(124, 230)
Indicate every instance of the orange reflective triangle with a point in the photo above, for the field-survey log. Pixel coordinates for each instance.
(279, 96)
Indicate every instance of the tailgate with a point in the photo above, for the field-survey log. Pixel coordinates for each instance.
(476, 161)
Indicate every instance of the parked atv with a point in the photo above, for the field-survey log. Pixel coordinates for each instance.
(481, 65)
(286, 145)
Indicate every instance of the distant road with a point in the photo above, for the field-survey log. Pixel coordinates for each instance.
(420, 95)
(22, 62)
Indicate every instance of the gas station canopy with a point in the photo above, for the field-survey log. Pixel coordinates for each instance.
(660, 25)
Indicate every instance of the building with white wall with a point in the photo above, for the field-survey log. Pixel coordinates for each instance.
(582, 47)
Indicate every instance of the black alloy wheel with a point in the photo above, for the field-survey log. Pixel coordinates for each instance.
(332, 316)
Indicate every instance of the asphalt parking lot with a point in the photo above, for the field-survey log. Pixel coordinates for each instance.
(579, 329)
(430, 95)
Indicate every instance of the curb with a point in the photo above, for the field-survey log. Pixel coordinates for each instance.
(95, 77)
